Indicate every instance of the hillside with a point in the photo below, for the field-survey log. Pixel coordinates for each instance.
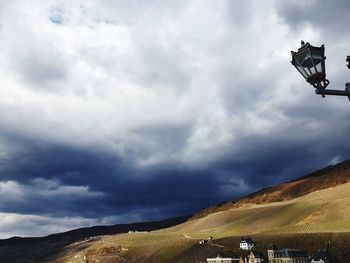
(327, 177)
(314, 221)
(311, 213)
(38, 249)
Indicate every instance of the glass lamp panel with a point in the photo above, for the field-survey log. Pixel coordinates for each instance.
(318, 62)
(313, 70)
(302, 71)
(308, 70)
(319, 67)
(317, 57)
(305, 59)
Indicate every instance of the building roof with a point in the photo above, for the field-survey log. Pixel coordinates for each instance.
(246, 239)
(290, 253)
(257, 254)
(226, 254)
(290, 249)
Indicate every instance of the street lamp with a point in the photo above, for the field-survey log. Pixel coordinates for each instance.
(310, 62)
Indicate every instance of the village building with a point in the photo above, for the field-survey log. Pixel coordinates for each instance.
(224, 258)
(257, 257)
(287, 255)
(246, 243)
(253, 257)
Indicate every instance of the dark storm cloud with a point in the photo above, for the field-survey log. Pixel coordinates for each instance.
(70, 181)
(164, 108)
(98, 184)
(268, 161)
(329, 16)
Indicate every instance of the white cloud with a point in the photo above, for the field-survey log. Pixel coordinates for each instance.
(13, 193)
(10, 191)
(28, 225)
(112, 68)
(99, 75)
(33, 225)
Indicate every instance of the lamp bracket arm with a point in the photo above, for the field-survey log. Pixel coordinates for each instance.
(325, 92)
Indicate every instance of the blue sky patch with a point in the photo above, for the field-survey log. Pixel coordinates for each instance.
(56, 16)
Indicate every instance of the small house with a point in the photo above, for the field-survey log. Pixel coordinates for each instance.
(246, 243)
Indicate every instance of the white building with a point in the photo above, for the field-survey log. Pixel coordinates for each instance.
(223, 259)
(246, 243)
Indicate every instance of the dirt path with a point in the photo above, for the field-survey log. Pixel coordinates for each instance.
(217, 245)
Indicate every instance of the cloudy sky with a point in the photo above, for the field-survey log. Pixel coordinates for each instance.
(129, 110)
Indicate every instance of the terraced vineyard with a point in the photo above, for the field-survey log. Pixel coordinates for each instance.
(314, 221)
(320, 227)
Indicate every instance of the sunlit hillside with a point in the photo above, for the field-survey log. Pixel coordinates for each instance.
(324, 211)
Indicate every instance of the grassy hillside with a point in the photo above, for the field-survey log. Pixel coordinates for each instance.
(327, 177)
(320, 211)
(313, 221)
(47, 248)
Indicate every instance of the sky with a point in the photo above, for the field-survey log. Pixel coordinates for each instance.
(128, 110)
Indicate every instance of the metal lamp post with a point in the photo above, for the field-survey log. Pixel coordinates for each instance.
(310, 62)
